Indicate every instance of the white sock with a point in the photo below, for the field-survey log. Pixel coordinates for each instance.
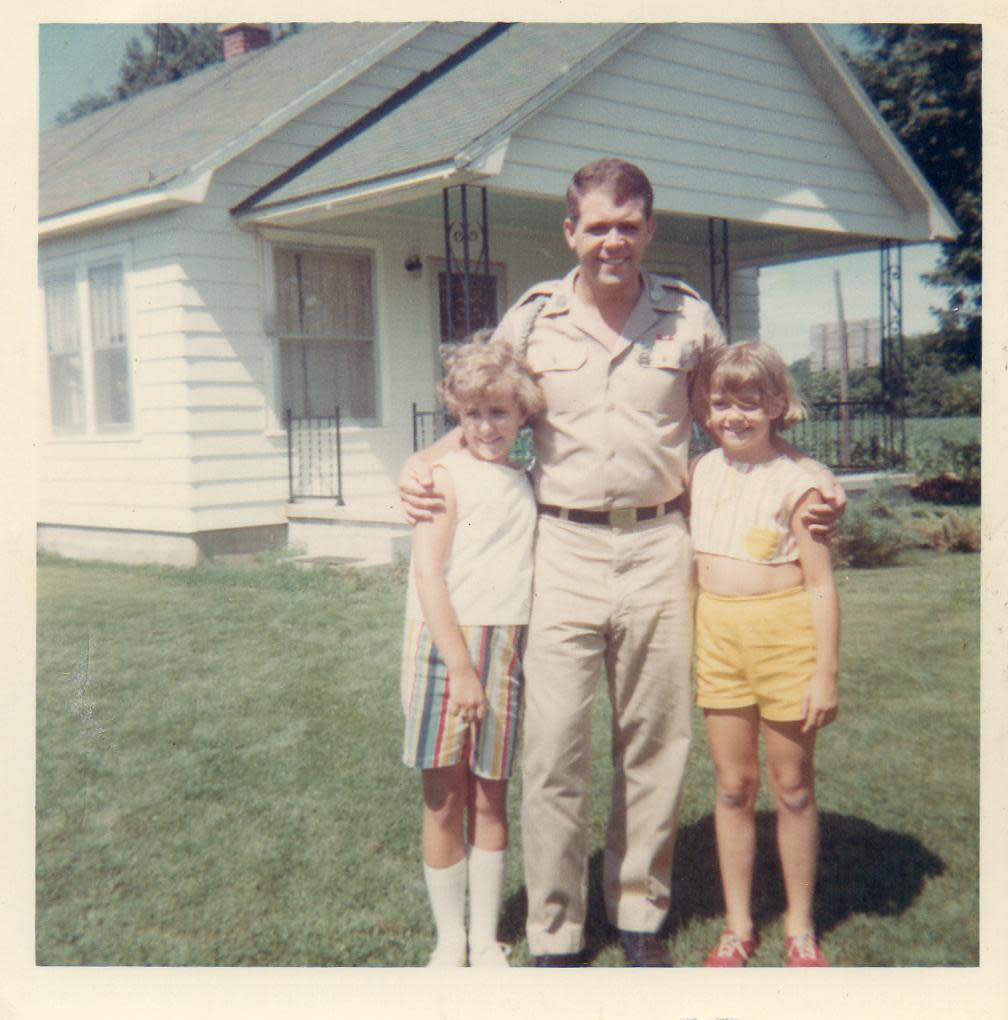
(446, 888)
(486, 881)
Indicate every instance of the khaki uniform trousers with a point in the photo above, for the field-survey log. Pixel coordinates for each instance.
(618, 598)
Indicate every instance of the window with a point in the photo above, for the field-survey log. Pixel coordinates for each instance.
(325, 326)
(108, 340)
(66, 371)
(88, 353)
(482, 305)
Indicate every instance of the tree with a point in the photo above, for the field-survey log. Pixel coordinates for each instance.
(82, 107)
(163, 53)
(171, 52)
(925, 81)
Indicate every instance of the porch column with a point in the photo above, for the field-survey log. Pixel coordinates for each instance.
(466, 300)
(720, 273)
(891, 347)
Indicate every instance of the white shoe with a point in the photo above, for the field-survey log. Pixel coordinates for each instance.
(493, 954)
(448, 956)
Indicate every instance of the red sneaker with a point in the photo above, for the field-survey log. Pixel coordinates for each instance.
(732, 950)
(803, 951)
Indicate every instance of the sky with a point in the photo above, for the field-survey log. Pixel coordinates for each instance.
(75, 59)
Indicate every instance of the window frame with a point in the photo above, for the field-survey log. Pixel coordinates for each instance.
(80, 266)
(271, 241)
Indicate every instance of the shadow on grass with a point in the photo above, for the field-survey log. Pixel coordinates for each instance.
(862, 870)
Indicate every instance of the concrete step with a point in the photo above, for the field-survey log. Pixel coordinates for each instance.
(369, 535)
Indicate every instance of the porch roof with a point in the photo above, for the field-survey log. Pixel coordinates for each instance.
(451, 123)
(458, 127)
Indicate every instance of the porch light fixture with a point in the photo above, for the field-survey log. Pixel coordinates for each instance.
(413, 265)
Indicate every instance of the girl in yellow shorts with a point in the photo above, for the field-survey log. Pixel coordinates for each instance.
(767, 635)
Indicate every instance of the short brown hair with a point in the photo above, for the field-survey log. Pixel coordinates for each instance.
(484, 366)
(746, 368)
(622, 179)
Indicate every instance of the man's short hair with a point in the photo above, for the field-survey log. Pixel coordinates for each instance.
(623, 180)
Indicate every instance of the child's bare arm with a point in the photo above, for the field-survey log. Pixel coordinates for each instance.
(432, 540)
(821, 517)
(820, 703)
(418, 494)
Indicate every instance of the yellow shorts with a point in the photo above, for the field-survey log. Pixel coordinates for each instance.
(757, 650)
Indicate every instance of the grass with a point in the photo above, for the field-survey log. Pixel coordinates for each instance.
(957, 430)
(218, 777)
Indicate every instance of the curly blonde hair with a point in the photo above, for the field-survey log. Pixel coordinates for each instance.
(484, 367)
(750, 369)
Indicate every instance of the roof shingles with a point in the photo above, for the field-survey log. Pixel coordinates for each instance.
(455, 110)
(158, 135)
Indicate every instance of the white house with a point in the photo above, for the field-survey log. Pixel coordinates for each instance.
(269, 233)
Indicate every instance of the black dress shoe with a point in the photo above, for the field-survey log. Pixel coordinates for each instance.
(558, 960)
(644, 949)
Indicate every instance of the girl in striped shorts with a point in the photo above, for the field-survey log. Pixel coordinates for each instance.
(466, 613)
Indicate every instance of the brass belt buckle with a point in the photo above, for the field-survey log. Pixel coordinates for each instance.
(625, 518)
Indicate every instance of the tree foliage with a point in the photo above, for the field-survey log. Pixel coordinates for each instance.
(931, 390)
(166, 53)
(163, 53)
(925, 81)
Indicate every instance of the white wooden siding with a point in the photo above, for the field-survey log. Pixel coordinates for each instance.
(206, 453)
(140, 478)
(725, 123)
(745, 322)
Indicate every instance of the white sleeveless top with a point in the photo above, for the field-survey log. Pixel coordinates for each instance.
(489, 569)
(743, 510)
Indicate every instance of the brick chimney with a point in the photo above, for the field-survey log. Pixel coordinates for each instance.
(243, 37)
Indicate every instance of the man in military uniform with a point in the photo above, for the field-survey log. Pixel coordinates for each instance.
(612, 348)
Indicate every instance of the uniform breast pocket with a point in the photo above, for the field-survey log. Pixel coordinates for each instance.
(674, 355)
(557, 369)
(661, 379)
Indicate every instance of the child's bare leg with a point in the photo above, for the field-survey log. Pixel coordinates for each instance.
(488, 824)
(445, 792)
(488, 836)
(791, 776)
(733, 735)
(442, 835)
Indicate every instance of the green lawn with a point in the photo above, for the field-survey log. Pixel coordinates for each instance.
(956, 430)
(218, 777)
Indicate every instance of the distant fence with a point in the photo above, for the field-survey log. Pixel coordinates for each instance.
(852, 435)
(314, 457)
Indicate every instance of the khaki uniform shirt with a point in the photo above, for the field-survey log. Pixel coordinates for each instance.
(616, 429)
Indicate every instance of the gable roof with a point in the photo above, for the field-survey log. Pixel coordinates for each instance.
(452, 119)
(461, 115)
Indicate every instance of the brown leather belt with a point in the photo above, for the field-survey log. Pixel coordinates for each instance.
(624, 518)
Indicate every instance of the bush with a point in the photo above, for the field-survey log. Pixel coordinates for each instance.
(951, 471)
(947, 488)
(871, 534)
(948, 530)
(963, 396)
(945, 456)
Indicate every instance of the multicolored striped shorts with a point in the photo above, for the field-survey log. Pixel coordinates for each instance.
(435, 738)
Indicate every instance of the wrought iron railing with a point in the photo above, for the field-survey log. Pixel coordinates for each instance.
(852, 435)
(314, 457)
(429, 426)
